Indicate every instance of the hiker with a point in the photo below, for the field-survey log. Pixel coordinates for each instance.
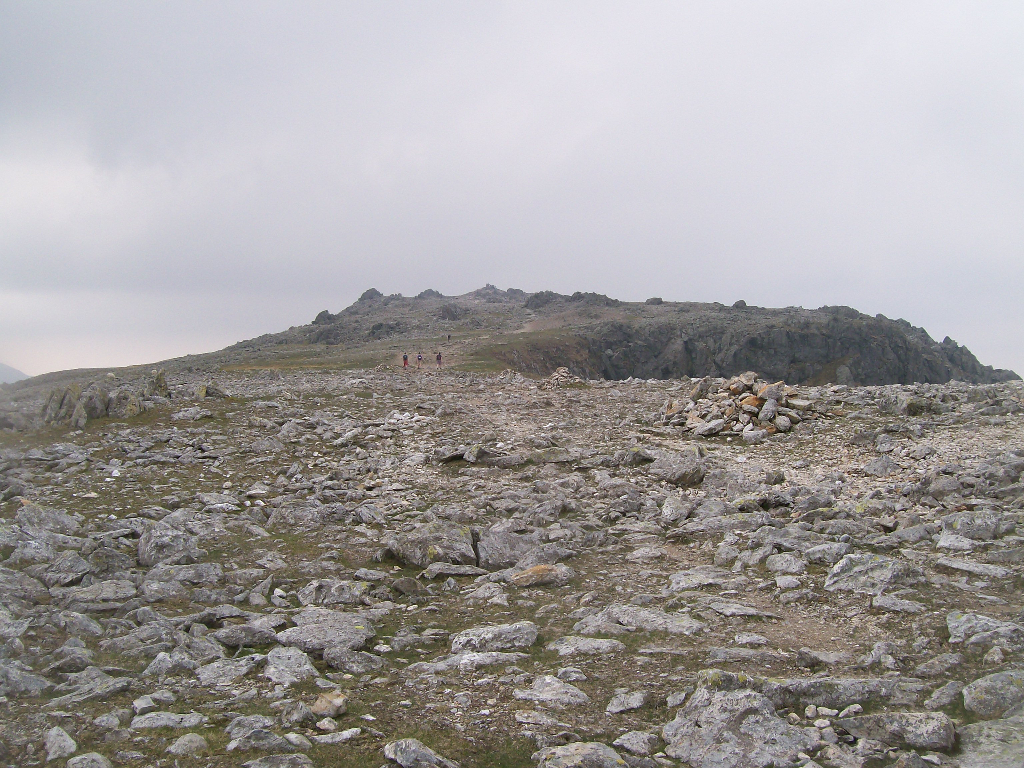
(405, 361)
(439, 361)
(449, 338)
(419, 361)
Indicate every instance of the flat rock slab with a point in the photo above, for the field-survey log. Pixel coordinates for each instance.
(914, 730)
(287, 665)
(975, 629)
(168, 720)
(970, 566)
(866, 573)
(412, 753)
(619, 619)
(579, 754)
(701, 576)
(433, 543)
(896, 604)
(591, 646)
(320, 628)
(993, 744)
(734, 729)
(280, 761)
(227, 671)
(500, 637)
(548, 689)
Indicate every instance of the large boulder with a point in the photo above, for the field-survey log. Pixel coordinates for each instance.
(734, 729)
(681, 469)
(434, 543)
(168, 545)
(579, 754)
(992, 744)
(320, 628)
(914, 730)
(500, 637)
(992, 696)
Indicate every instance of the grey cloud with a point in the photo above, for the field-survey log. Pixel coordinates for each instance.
(253, 163)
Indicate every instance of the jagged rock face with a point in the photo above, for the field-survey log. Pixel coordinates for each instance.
(801, 346)
(656, 339)
(450, 569)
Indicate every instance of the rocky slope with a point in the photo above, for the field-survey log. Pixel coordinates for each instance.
(599, 337)
(315, 567)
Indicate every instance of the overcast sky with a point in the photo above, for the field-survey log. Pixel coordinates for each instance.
(178, 176)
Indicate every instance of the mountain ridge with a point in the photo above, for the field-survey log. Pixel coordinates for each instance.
(9, 375)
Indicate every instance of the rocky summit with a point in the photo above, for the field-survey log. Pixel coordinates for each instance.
(300, 554)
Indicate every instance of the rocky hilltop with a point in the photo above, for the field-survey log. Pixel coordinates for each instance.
(289, 565)
(599, 337)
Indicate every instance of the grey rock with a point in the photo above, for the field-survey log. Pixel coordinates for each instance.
(944, 696)
(434, 542)
(353, 662)
(59, 744)
(248, 635)
(992, 696)
(590, 646)
(412, 753)
(939, 665)
(188, 744)
(626, 702)
(287, 666)
(279, 761)
(734, 729)
(896, 604)
(866, 574)
(227, 671)
(785, 563)
(21, 586)
(914, 730)
(168, 720)
(579, 754)
(320, 628)
(992, 744)
(619, 619)
(500, 637)
(329, 592)
(637, 742)
(549, 690)
(89, 760)
(684, 470)
(168, 545)
(18, 679)
(974, 629)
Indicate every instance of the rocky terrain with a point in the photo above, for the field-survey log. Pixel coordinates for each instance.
(307, 566)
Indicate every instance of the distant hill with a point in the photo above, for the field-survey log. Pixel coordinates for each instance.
(8, 374)
(600, 337)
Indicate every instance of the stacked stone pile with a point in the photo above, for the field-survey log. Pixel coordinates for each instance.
(561, 377)
(743, 405)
